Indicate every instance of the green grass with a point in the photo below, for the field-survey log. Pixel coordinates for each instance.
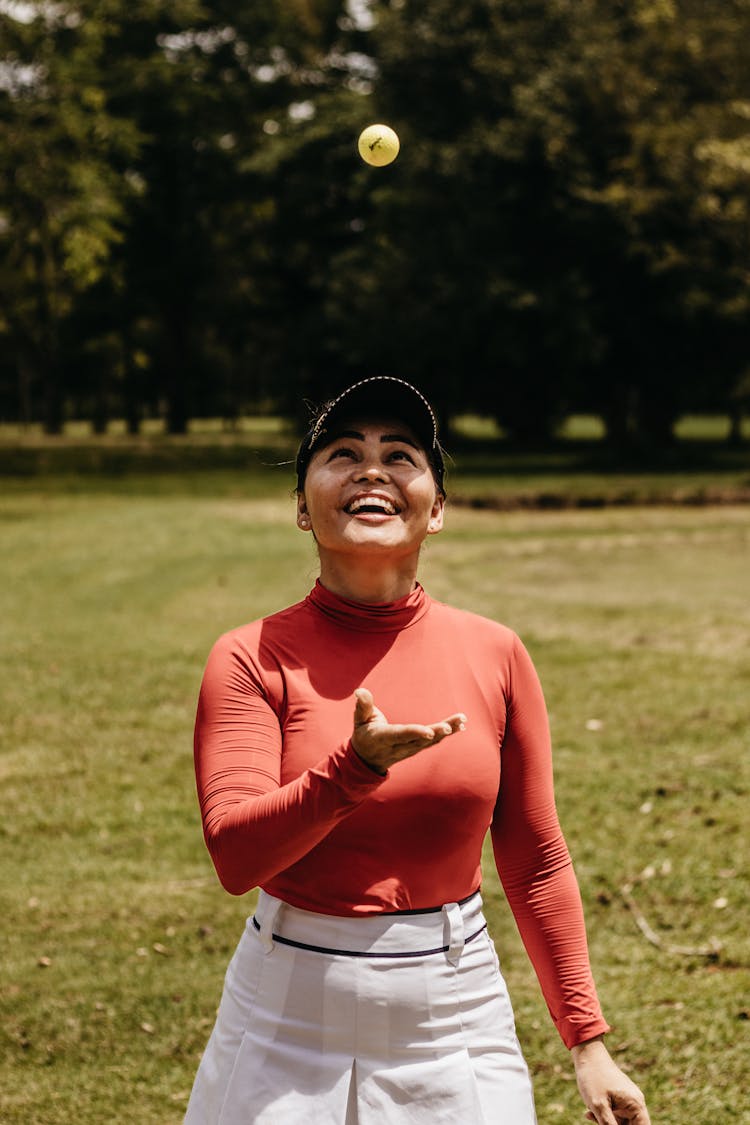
(255, 457)
(590, 427)
(576, 427)
(116, 933)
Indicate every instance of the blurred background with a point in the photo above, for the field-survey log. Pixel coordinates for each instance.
(186, 230)
(190, 251)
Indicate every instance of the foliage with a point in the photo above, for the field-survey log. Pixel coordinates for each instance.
(189, 232)
(574, 211)
(61, 200)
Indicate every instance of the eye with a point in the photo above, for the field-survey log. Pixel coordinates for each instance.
(343, 451)
(400, 455)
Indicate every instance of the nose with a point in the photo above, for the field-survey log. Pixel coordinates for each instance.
(371, 469)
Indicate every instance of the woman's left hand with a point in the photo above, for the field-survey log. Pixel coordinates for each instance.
(611, 1098)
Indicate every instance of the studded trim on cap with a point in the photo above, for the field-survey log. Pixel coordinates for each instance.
(417, 409)
(320, 423)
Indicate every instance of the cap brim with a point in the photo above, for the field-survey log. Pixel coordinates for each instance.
(382, 397)
(379, 397)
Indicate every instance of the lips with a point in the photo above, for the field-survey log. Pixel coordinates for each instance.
(376, 503)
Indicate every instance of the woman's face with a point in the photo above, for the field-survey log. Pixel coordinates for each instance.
(371, 490)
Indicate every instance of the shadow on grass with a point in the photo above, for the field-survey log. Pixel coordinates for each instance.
(482, 473)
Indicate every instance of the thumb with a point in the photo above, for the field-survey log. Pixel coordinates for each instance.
(364, 708)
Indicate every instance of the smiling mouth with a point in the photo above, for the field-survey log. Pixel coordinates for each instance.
(372, 505)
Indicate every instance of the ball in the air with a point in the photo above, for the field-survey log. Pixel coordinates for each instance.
(378, 145)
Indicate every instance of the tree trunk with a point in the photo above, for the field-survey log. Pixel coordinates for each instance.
(100, 420)
(177, 369)
(736, 416)
(617, 414)
(131, 384)
(25, 385)
(52, 397)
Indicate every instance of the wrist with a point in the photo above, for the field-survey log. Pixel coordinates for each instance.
(588, 1049)
(370, 765)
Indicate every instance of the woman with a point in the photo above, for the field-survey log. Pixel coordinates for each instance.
(365, 989)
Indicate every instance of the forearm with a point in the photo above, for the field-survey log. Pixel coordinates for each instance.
(534, 864)
(255, 824)
(253, 838)
(549, 915)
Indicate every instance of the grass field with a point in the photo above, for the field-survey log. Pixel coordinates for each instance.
(578, 470)
(116, 934)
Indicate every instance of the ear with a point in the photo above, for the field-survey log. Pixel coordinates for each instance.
(303, 518)
(436, 516)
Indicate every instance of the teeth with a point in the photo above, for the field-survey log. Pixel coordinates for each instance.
(378, 502)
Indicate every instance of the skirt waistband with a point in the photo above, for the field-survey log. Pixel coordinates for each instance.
(416, 934)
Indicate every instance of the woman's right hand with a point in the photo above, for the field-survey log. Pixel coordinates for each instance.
(381, 744)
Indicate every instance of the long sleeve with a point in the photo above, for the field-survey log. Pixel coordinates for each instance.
(253, 825)
(534, 864)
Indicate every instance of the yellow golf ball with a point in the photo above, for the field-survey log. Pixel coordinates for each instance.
(378, 145)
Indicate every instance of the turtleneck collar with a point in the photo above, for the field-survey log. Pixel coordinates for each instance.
(378, 617)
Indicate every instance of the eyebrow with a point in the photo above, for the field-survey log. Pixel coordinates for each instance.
(384, 438)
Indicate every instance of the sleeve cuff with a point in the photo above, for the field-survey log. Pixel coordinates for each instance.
(350, 772)
(358, 768)
(573, 1033)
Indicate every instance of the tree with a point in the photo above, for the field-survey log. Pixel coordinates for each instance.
(188, 230)
(645, 93)
(61, 200)
(568, 222)
(220, 96)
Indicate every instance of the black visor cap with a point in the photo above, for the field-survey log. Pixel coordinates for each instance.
(382, 396)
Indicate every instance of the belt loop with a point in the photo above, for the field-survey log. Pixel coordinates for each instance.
(270, 908)
(453, 932)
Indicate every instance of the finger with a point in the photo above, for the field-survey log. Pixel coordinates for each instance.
(601, 1113)
(416, 732)
(629, 1109)
(449, 726)
(436, 732)
(404, 734)
(640, 1117)
(364, 706)
(441, 731)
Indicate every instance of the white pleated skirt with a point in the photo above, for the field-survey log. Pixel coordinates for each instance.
(384, 1020)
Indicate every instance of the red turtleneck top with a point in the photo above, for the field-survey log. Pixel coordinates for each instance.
(288, 805)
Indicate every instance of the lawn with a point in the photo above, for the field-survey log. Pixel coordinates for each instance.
(253, 457)
(116, 933)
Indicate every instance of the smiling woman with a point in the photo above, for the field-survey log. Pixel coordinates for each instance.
(370, 499)
(365, 988)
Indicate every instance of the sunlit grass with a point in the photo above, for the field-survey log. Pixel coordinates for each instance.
(272, 428)
(256, 456)
(116, 933)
